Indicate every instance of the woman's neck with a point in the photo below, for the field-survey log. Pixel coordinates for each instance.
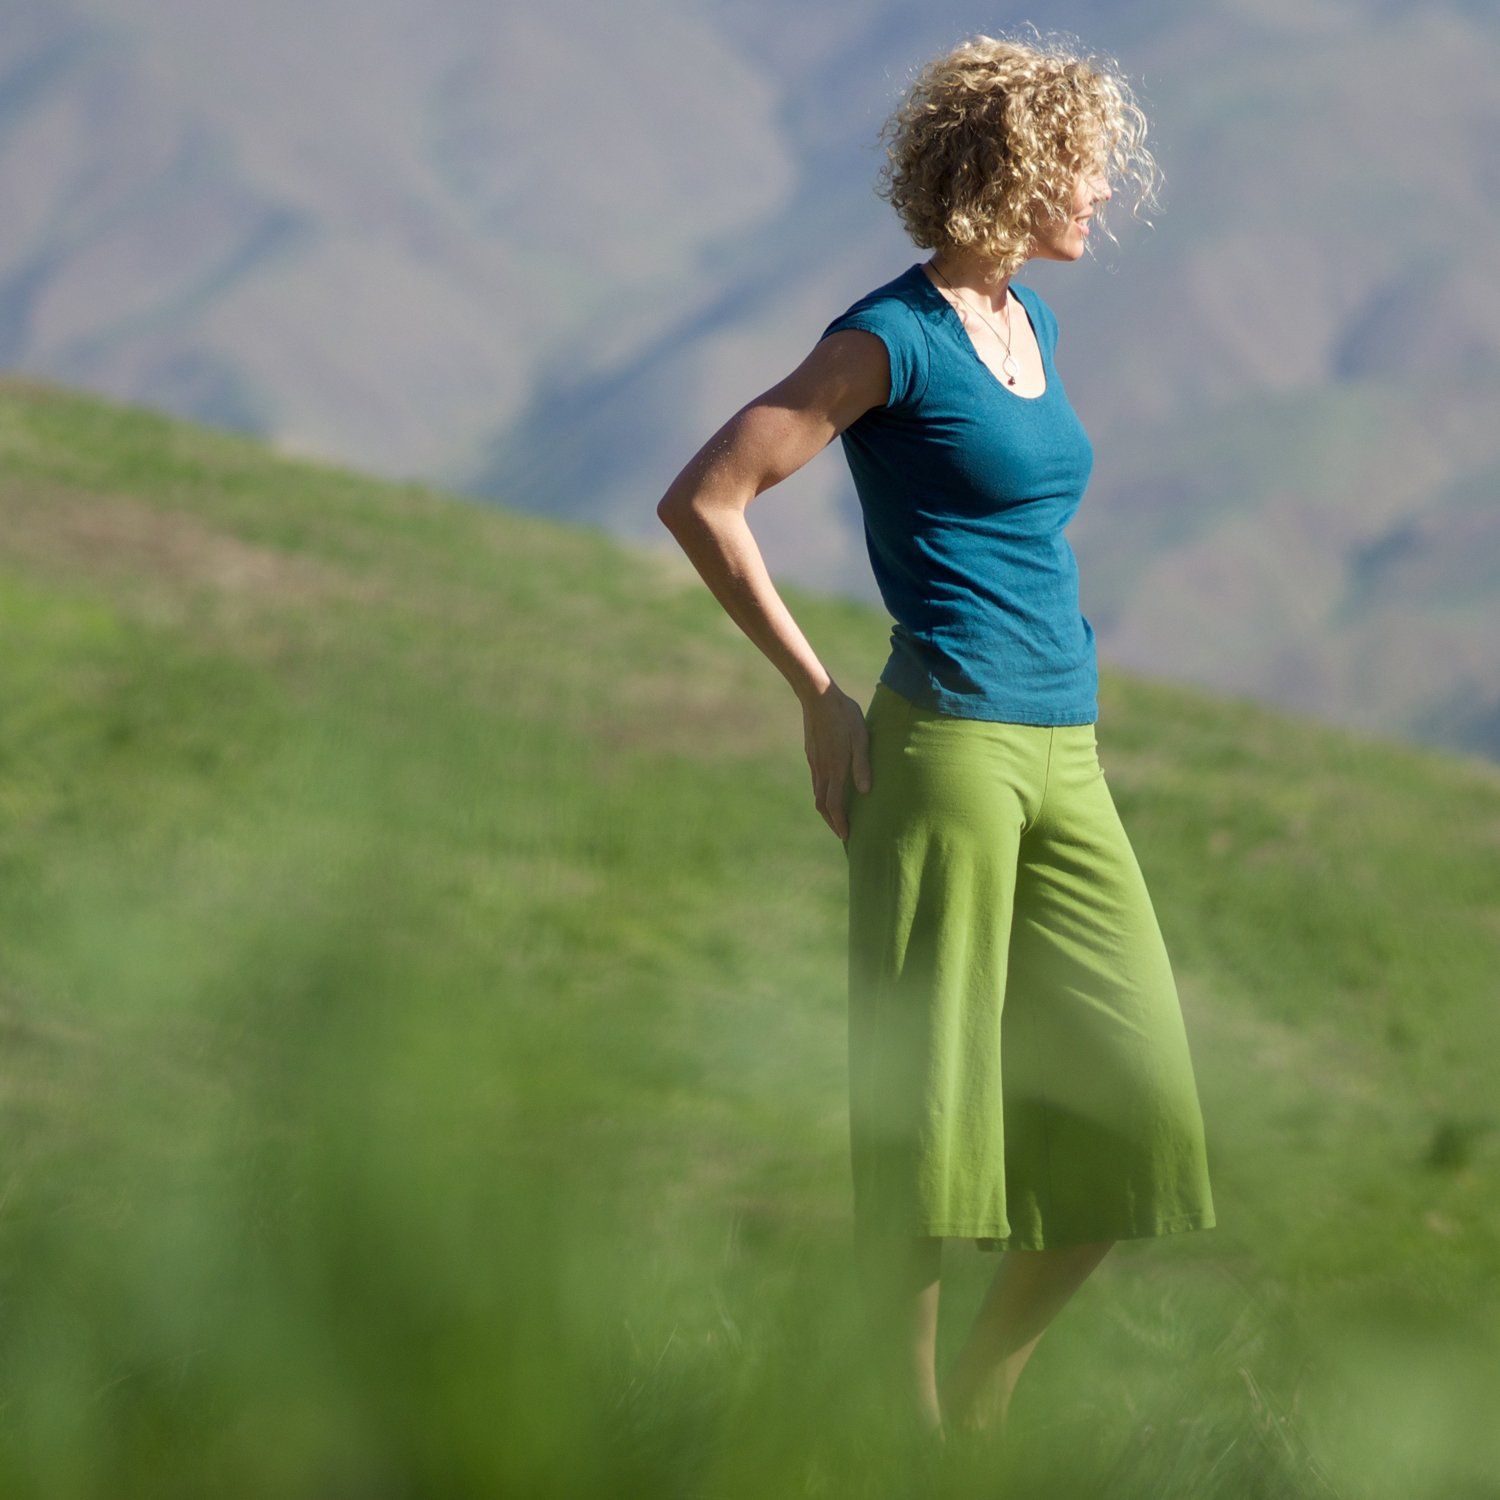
(968, 273)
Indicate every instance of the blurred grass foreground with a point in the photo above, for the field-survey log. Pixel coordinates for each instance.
(422, 984)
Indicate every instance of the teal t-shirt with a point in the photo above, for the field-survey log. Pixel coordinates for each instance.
(966, 488)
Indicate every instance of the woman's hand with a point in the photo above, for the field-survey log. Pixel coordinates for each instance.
(837, 742)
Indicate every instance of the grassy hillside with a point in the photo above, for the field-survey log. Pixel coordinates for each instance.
(1289, 376)
(421, 968)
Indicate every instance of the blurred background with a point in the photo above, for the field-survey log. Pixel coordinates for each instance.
(421, 964)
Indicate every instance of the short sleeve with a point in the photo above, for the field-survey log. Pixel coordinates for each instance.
(905, 340)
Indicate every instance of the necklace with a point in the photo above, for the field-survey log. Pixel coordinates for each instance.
(1008, 364)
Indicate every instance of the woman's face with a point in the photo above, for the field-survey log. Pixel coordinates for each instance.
(1066, 238)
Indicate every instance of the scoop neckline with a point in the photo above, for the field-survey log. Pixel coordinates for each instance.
(957, 326)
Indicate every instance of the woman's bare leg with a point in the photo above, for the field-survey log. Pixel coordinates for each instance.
(902, 1287)
(1029, 1289)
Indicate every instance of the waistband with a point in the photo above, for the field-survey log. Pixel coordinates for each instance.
(886, 699)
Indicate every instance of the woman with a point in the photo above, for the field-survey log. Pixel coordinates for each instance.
(989, 873)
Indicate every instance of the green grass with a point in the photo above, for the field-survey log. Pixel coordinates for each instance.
(421, 969)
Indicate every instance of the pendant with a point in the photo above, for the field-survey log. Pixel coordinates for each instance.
(1011, 368)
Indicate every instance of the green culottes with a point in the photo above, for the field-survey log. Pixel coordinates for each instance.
(1019, 1069)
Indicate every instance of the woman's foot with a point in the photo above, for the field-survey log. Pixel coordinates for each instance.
(969, 1413)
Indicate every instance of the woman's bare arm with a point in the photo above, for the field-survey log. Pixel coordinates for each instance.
(843, 376)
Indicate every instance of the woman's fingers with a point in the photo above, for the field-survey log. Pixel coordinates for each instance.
(828, 797)
(838, 819)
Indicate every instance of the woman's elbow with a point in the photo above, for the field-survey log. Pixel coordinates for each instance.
(672, 508)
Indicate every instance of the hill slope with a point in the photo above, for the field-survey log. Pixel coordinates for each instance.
(422, 264)
(422, 968)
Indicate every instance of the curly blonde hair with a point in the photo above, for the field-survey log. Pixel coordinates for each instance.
(990, 138)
